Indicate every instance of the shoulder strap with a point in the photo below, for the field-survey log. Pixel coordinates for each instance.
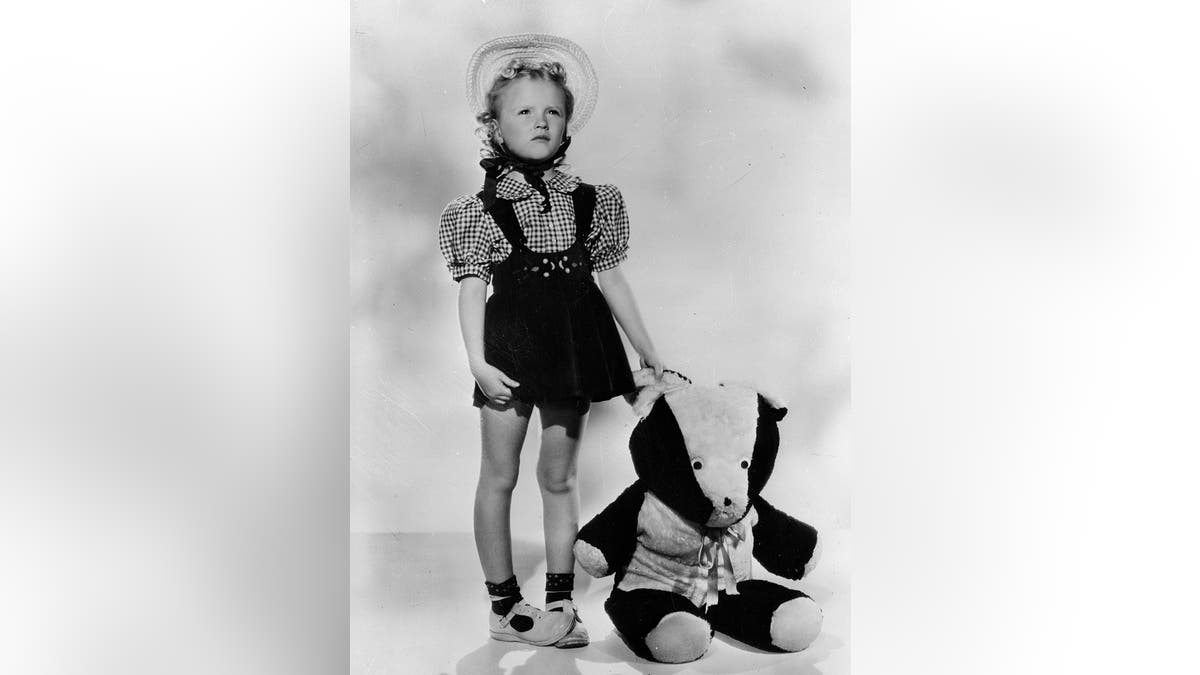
(584, 200)
(501, 211)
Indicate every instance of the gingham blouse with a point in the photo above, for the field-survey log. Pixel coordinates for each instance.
(472, 242)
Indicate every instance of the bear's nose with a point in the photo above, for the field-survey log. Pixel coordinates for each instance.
(728, 501)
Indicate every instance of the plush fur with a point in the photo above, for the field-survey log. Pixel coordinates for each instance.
(680, 539)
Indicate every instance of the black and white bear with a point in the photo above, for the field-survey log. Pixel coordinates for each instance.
(681, 538)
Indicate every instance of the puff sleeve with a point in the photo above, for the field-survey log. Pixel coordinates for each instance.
(465, 241)
(608, 242)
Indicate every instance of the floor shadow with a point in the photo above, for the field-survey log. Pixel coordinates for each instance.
(612, 648)
(737, 657)
(508, 658)
(800, 663)
(505, 658)
(549, 661)
(486, 659)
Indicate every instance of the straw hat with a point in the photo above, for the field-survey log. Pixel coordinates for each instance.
(494, 55)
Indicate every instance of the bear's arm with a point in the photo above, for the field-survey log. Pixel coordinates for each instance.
(605, 545)
(784, 545)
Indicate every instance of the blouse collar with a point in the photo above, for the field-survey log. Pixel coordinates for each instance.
(513, 188)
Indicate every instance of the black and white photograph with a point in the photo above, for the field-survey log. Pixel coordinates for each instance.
(637, 455)
(613, 337)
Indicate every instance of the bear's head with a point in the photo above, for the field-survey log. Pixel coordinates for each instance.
(704, 451)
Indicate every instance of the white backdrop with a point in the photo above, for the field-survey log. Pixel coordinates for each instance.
(726, 126)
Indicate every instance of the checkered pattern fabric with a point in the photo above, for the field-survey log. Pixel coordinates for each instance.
(472, 242)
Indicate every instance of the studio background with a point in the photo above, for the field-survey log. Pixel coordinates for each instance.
(726, 127)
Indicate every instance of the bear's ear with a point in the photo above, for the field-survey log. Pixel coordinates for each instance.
(651, 388)
(771, 406)
(766, 442)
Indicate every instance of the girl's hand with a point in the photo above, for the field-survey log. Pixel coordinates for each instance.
(494, 383)
(650, 359)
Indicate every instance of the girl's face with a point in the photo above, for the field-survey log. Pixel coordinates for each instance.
(532, 118)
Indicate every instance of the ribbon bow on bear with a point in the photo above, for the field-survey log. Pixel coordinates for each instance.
(714, 555)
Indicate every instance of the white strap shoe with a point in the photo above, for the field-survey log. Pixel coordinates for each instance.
(528, 624)
(578, 635)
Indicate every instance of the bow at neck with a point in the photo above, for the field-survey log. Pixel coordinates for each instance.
(532, 171)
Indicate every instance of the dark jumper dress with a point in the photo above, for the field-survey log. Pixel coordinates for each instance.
(546, 324)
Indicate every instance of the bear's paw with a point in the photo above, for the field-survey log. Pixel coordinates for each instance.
(591, 559)
(816, 558)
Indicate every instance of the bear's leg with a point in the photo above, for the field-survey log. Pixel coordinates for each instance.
(659, 625)
(766, 615)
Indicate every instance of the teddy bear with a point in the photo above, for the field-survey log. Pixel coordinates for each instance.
(680, 539)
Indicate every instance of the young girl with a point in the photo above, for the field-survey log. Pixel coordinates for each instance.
(546, 337)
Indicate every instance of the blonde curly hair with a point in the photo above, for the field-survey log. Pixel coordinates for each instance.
(551, 71)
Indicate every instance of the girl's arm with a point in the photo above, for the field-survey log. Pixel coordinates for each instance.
(472, 294)
(619, 295)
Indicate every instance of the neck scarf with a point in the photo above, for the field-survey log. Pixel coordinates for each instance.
(493, 166)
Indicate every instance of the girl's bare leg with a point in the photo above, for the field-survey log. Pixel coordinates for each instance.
(562, 428)
(503, 431)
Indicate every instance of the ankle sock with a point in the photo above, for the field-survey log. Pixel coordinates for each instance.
(504, 595)
(559, 587)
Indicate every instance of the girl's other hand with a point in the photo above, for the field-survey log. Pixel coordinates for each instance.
(494, 383)
(650, 359)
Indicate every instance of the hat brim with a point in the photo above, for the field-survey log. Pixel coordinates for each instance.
(494, 55)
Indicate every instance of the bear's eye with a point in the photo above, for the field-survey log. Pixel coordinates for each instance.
(745, 464)
(697, 464)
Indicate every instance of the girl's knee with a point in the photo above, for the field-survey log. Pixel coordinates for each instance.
(557, 482)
